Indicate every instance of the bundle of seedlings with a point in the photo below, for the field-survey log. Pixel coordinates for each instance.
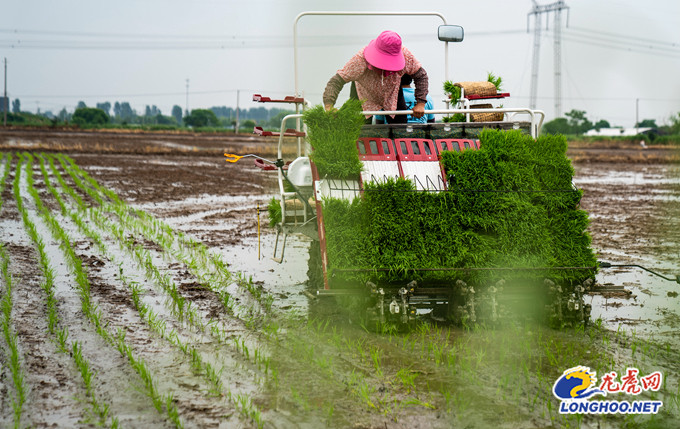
(333, 135)
(490, 87)
(509, 205)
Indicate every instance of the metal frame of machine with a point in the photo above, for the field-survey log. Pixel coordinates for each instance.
(414, 158)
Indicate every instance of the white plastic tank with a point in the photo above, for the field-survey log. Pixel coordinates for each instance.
(300, 172)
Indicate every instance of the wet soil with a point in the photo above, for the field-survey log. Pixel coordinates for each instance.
(337, 376)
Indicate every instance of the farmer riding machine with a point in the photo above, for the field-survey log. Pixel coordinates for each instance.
(470, 220)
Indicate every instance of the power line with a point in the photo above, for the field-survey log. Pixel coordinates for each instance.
(157, 94)
(611, 99)
(630, 44)
(149, 94)
(84, 41)
(624, 37)
(618, 46)
(172, 36)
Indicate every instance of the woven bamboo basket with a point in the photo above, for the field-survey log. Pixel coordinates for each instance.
(485, 117)
(478, 88)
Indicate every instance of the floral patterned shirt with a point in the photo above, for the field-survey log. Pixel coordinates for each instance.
(380, 90)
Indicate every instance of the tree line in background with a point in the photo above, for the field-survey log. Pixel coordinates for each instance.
(575, 122)
(122, 114)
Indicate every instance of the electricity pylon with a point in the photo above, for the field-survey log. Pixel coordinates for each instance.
(537, 11)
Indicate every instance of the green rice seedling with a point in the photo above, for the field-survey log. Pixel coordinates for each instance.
(365, 392)
(324, 363)
(62, 339)
(376, 357)
(214, 377)
(244, 347)
(333, 136)
(407, 379)
(9, 336)
(172, 411)
(246, 408)
(330, 409)
(83, 366)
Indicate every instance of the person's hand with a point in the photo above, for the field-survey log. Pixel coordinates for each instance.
(329, 107)
(419, 110)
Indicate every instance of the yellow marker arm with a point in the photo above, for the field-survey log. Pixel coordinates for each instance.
(231, 155)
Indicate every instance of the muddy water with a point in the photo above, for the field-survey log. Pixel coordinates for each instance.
(324, 370)
(635, 219)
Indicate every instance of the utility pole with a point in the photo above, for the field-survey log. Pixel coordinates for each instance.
(537, 11)
(557, 59)
(637, 115)
(5, 100)
(238, 93)
(186, 110)
(535, 57)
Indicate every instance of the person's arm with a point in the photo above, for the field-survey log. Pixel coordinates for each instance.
(333, 88)
(422, 83)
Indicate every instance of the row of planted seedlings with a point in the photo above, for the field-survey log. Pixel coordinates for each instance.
(365, 391)
(465, 362)
(206, 266)
(178, 307)
(209, 268)
(213, 271)
(10, 350)
(361, 388)
(59, 333)
(269, 325)
(525, 372)
(164, 403)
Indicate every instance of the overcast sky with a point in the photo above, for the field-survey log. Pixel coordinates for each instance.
(615, 53)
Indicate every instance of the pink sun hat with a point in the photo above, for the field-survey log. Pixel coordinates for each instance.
(384, 52)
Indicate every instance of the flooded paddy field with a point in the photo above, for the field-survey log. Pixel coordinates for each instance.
(137, 292)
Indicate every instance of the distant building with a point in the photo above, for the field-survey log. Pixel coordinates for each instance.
(618, 132)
